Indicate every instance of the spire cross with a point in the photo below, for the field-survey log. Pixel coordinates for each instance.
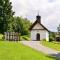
(38, 13)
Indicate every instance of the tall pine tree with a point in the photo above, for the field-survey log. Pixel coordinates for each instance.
(5, 14)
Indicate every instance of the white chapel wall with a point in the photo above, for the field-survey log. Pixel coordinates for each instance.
(47, 36)
(43, 34)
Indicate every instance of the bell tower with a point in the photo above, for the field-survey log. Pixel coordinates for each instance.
(38, 18)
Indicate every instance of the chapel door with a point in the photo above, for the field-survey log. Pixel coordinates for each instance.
(38, 37)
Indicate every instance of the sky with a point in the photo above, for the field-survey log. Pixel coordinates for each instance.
(49, 10)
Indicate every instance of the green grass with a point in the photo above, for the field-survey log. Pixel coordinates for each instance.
(17, 51)
(53, 45)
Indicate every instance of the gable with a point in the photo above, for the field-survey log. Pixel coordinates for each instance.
(37, 26)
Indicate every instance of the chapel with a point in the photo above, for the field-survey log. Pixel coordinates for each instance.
(38, 30)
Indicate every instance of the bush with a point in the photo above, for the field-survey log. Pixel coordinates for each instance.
(26, 38)
(51, 39)
(1, 37)
(44, 40)
(52, 36)
(21, 38)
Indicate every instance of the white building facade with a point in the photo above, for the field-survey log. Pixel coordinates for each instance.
(38, 31)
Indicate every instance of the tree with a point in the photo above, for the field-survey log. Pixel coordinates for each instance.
(52, 36)
(58, 28)
(5, 14)
(20, 25)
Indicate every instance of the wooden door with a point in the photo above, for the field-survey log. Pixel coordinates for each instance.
(38, 37)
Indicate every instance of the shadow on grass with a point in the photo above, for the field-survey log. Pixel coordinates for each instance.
(54, 56)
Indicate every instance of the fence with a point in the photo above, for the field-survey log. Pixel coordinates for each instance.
(12, 36)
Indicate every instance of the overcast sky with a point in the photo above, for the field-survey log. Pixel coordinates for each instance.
(49, 11)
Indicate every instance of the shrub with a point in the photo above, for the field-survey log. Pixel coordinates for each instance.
(44, 40)
(51, 39)
(26, 38)
(1, 37)
(52, 36)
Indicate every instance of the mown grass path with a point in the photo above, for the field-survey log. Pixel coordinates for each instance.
(36, 45)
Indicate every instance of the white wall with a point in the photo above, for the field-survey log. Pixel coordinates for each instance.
(43, 34)
(47, 36)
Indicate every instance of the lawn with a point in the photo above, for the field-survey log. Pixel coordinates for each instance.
(53, 45)
(17, 51)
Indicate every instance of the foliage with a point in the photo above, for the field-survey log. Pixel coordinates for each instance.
(25, 38)
(1, 37)
(10, 23)
(20, 25)
(58, 28)
(52, 36)
(17, 51)
(44, 40)
(5, 14)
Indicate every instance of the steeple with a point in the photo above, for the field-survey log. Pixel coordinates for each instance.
(38, 18)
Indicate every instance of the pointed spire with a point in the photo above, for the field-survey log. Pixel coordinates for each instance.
(38, 13)
(38, 18)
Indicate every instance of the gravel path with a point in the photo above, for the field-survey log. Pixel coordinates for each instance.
(36, 45)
